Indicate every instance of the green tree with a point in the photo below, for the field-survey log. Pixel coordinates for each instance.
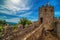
(24, 21)
(28, 22)
(3, 22)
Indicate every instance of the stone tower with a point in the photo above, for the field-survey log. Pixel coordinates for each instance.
(46, 15)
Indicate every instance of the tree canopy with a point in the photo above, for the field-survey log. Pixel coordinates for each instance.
(3, 22)
(24, 21)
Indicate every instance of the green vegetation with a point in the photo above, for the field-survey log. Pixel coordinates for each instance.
(24, 21)
(0, 30)
(2, 23)
(15, 27)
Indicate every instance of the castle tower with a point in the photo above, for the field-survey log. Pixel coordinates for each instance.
(46, 15)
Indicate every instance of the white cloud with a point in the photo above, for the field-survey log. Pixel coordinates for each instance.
(6, 10)
(13, 20)
(22, 5)
(5, 17)
(13, 6)
(26, 14)
(15, 1)
(34, 19)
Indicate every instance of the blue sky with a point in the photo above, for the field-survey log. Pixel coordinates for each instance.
(13, 10)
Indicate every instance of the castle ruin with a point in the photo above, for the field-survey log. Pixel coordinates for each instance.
(46, 28)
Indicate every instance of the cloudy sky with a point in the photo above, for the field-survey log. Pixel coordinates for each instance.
(13, 10)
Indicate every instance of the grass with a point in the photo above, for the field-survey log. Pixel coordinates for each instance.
(0, 30)
(0, 27)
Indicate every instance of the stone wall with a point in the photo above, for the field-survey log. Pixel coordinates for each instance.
(58, 28)
(35, 34)
(10, 34)
(29, 33)
(7, 33)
